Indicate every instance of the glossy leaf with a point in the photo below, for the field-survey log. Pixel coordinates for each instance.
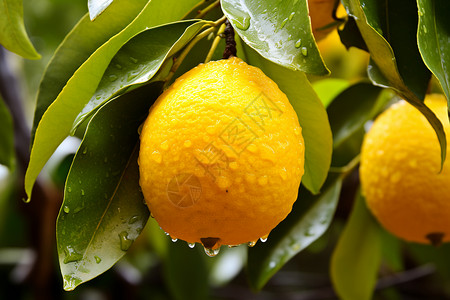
(77, 46)
(139, 60)
(357, 256)
(279, 33)
(57, 121)
(13, 35)
(309, 219)
(103, 210)
(6, 136)
(96, 7)
(433, 36)
(311, 114)
(348, 113)
(397, 65)
(328, 89)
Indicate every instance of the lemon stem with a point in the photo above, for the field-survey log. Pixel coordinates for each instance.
(206, 10)
(230, 43)
(196, 6)
(215, 43)
(345, 170)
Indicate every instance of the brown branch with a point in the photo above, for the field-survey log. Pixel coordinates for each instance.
(230, 43)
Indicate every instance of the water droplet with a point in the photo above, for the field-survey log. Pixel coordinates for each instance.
(78, 209)
(223, 182)
(118, 66)
(125, 242)
(304, 51)
(164, 145)
(283, 174)
(71, 255)
(133, 219)
(166, 233)
(187, 143)
(191, 245)
(250, 178)
(425, 29)
(174, 240)
(252, 243)
(71, 282)
(264, 238)
(112, 78)
(298, 43)
(69, 189)
(211, 252)
(263, 180)
(66, 209)
(156, 156)
(82, 192)
(85, 150)
(133, 60)
(252, 148)
(242, 22)
(97, 259)
(283, 23)
(291, 15)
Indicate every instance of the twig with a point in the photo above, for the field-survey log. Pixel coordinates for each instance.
(215, 43)
(206, 10)
(230, 43)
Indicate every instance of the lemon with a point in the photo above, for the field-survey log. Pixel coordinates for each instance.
(221, 155)
(322, 21)
(400, 163)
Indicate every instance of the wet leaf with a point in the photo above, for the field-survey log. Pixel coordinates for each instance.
(311, 114)
(77, 46)
(279, 33)
(58, 119)
(13, 35)
(138, 61)
(309, 219)
(433, 36)
(103, 210)
(6, 136)
(328, 89)
(357, 256)
(389, 31)
(96, 7)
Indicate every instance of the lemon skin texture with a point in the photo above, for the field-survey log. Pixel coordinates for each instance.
(400, 164)
(221, 155)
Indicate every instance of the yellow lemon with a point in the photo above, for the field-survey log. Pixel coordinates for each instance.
(400, 163)
(221, 156)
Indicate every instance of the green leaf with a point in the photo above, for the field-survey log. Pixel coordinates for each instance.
(6, 136)
(433, 36)
(357, 256)
(96, 7)
(77, 46)
(328, 89)
(57, 121)
(397, 65)
(311, 115)
(309, 219)
(139, 60)
(103, 210)
(348, 113)
(185, 272)
(13, 35)
(279, 33)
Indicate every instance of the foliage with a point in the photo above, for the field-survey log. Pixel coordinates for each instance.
(107, 71)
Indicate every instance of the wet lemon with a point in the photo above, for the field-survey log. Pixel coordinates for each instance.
(221, 155)
(400, 163)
